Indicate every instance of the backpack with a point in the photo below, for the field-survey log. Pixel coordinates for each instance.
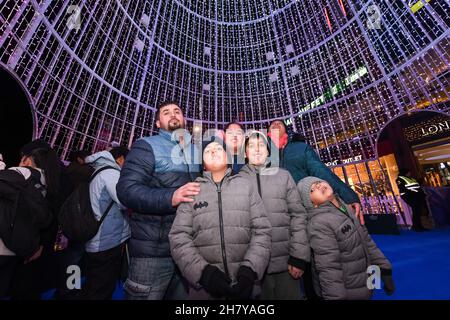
(76, 217)
(24, 212)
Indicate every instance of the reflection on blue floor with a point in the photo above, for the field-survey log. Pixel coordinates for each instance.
(421, 264)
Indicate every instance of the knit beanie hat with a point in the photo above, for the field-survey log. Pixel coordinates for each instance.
(304, 188)
(212, 139)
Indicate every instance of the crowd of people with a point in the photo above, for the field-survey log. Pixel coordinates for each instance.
(256, 216)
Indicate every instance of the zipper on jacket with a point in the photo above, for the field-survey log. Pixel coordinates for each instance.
(222, 233)
(187, 164)
(161, 229)
(258, 181)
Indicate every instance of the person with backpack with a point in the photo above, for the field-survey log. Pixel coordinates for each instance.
(105, 251)
(71, 253)
(34, 278)
(290, 248)
(24, 215)
(78, 170)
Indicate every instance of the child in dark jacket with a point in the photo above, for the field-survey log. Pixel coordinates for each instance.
(342, 249)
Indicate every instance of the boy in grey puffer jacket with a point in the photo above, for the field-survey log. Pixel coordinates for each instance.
(221, 240)
(342, 249)
(290, 248)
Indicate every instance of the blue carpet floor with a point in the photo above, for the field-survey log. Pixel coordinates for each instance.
(421, 264)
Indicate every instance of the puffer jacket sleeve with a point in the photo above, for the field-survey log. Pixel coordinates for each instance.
(184, 252)
(133, 188)
(327, 261)
(299, 250)
(375, 255)
(315, 167)
(258, 253)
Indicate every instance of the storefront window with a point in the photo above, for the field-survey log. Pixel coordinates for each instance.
(375, 187)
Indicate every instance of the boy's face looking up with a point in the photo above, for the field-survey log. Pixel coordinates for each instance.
(214, 157)
(321, 192)
(256, 151)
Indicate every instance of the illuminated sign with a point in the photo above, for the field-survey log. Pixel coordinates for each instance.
(436, 128)
(415, 5)
(334, 90)
(345, 161)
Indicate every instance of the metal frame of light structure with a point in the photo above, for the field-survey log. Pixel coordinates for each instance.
(96, 70)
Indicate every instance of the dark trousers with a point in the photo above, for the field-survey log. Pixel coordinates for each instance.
(281, 286)
(103, 270)
(419, 208)
(8, 264)
(30, 280)
(308, 284)
(72, 255)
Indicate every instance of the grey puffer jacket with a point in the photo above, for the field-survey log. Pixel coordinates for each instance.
(286, 215)
(226, 226)
(342, 250)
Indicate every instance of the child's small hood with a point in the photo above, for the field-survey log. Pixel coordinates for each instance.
(263, 169)
(101, 159)
(304, 188)
(207, 176)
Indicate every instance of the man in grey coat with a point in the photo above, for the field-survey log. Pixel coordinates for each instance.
(221, 240)
(342, 249)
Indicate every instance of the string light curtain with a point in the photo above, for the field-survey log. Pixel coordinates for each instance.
(334, 70)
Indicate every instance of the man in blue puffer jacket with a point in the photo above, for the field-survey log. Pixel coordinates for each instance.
(156, 177)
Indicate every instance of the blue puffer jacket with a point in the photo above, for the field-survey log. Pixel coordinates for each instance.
(155, 167)
(302, 161)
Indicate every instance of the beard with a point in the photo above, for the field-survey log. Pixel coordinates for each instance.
(175, 124)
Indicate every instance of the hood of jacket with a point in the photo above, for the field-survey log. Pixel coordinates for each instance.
(101, 159)
(264, 169)
(207, 176)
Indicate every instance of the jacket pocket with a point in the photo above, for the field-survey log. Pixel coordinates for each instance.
(136, 289)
